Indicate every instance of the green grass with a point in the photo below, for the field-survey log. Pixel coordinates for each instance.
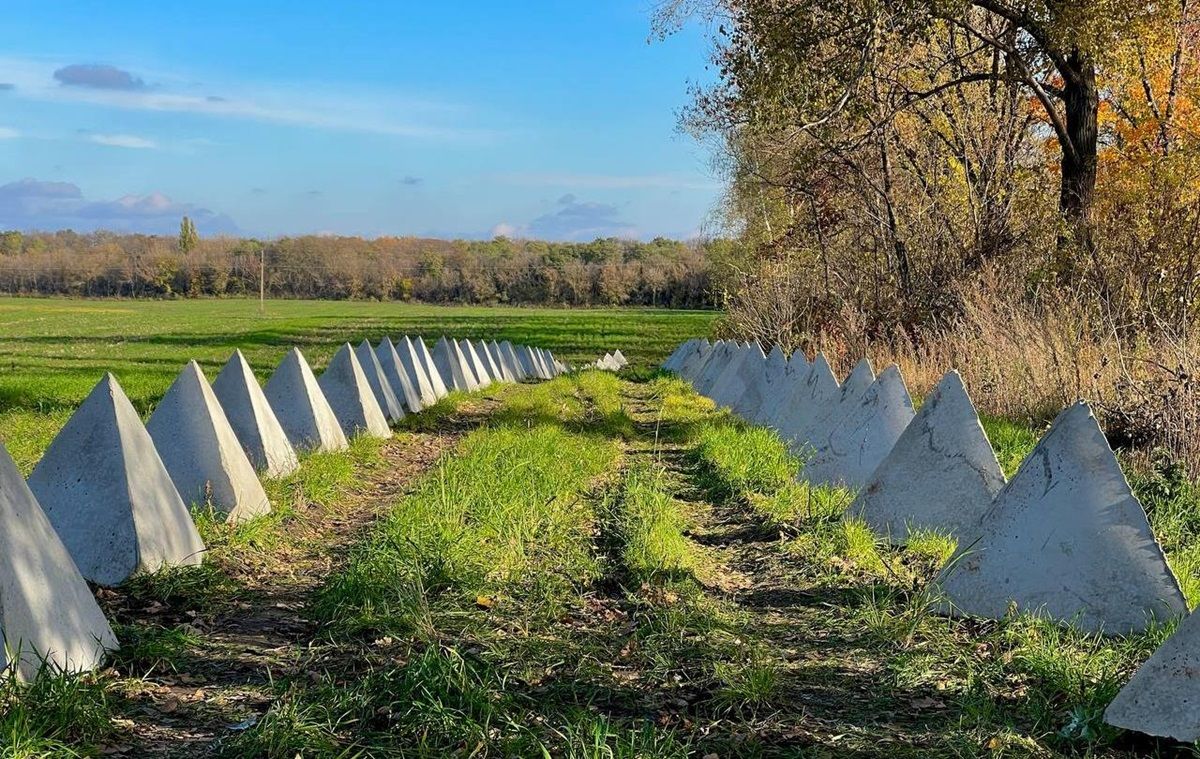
(503, 519)
(650, 525)
(52, 715)
(53, 351)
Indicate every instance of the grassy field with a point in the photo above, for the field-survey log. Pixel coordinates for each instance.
(598, 567)
(52, 351)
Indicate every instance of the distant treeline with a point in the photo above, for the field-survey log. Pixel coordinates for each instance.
(604, 272)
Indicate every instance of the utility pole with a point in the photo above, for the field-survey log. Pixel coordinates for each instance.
(262, 280)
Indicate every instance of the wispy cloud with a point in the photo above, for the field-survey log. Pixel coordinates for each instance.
(7, 133)
(610, 181)
(310, 105)
(123, 141)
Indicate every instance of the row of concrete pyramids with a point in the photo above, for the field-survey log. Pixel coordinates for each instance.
(842, 431)
(109, 498)
(1065, 538)
(610, 362)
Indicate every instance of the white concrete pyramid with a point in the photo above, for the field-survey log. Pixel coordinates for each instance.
(798, 361)
(742, 369)
(46, 610)
(622, 362)
(391, 406)
(489, 364)
(941, 475)
(1163, 697)
(544, 362)
(784, 395)
(482, 378)
(411, 360)
(692, 363)
(858, 381)
(301, 407)
(507, 373)
(675, 360)
(514, 363)
(802, 420)
(397, 375)
(201, 451)
(1067, 539)
(761, 384)
(530, 362)
(104, 488)
(452, 365)
(253, 420)
(345, 386)
(862, 435)
(718, 362)
(436, 380)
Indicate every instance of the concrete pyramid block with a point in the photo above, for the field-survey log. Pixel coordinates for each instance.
(802, 419)
(534, 362)
(743, 367)
(514, 363)
(104, 488)
(1067, 539)
(717, 363)
(201, 451)
(547, 366)
(941, 475)
(391, 406)
(452, 365)
(345, 386)
(691, 364)
(436, 380)
(1163, 696)
(525, 360)
(301, 407)
(397, 375)
(507, 371)
(475, 363)
(857, 382)
(409, 356)
(619, 357)
(253, 420)
(675, 360)
(785, 395)
(489, 364)
(47, 611)
(862, 436)
(799, 362)
(761, 385)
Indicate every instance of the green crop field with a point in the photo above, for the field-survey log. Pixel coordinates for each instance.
(52, 351)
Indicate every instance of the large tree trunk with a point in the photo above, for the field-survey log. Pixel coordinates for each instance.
(1079, 158)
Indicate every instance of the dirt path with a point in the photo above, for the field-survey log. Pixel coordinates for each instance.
(221, 678)
(828, 695)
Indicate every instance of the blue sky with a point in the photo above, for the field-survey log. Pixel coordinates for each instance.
(536, 118)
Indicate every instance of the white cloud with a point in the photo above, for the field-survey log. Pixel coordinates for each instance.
(504, 229)
(7, 133)
(124, 141)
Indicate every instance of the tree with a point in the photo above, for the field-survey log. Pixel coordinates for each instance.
(813, 67)
(188, 238)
